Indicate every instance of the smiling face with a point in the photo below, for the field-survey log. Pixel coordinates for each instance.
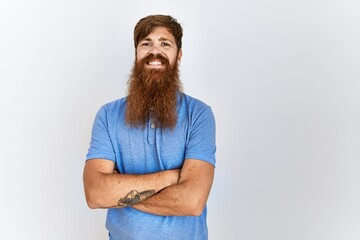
(154, 82)
(159, 49)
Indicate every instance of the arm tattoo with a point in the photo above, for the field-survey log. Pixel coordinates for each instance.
(134, 197)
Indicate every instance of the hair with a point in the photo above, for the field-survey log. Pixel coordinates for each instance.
(147, 24)
(152, 94)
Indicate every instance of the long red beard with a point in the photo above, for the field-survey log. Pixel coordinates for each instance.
(152, 94)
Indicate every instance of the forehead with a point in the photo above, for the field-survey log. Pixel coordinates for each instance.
(160, 33)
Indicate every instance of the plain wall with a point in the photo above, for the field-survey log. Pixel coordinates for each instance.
(282, 78)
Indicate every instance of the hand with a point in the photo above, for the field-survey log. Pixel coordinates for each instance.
(174, 176)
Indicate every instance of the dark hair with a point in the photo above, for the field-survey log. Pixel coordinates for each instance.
(147, 24)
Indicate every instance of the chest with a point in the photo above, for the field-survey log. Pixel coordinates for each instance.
(150, 149)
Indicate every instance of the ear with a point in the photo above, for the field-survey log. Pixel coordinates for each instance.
(179, 55)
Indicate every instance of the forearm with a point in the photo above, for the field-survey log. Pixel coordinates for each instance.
(175, 200)
(188, 197)
(108, 190)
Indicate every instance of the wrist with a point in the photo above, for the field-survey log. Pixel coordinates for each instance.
(167, 178)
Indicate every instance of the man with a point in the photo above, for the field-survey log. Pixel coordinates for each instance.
(152, 154)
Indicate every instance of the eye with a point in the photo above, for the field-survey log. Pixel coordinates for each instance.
(145, 44)
(165, 44)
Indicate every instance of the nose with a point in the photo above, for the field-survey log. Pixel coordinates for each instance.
(155, 50)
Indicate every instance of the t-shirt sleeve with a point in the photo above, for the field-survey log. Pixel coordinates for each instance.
(201, 143)
(101, 145)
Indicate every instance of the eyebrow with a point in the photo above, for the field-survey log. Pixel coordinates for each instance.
(165, 39)
(162, 39)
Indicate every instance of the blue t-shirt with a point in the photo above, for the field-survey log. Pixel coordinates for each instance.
(148, 150)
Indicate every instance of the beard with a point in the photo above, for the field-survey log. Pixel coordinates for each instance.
(152, 94)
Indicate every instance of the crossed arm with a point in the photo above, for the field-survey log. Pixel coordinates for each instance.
(178, 192)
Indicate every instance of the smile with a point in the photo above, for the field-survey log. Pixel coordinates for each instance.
(155, 63)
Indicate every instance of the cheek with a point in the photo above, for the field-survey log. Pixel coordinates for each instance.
(140, 54)
(173, 59)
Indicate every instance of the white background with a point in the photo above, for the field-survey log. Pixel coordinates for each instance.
(281, 76)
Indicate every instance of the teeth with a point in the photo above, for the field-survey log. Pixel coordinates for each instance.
(155, 63)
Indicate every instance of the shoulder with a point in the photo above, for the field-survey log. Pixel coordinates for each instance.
(115, 104)
(111, 111)
(192, 102)
(194, 105)
(113, 107)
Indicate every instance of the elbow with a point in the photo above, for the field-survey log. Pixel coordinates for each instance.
(195, 213)
(195, 207)
(92, 204)
(92, 200)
